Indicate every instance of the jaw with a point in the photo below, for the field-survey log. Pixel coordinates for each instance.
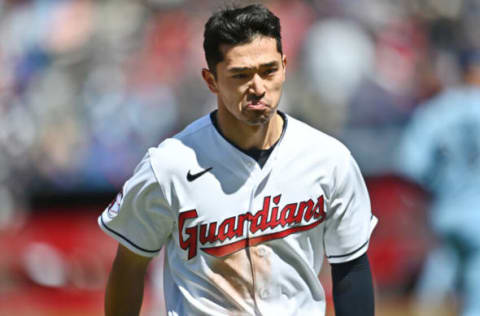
(258, 117)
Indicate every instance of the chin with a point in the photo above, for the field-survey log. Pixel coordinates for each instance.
(259, 118)
(258, 122)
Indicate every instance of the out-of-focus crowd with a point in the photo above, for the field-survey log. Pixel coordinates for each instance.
(86, 86)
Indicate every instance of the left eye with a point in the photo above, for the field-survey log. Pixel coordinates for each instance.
(270, 71)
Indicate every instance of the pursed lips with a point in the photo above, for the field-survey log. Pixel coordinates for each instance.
(256, 104)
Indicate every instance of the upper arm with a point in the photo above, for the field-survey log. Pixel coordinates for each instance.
(126, 280)
(140, 218)
(126, 259)
(124, 292)
(349, 221)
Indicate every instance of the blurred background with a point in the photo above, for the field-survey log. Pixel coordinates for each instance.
(86, 86)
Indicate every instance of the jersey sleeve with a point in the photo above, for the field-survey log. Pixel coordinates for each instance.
(139, 217)
(350, 221)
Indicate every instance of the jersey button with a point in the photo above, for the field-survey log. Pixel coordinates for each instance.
(261, 252)
(264, 293)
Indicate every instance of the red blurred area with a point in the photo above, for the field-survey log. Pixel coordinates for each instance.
(68, 241)
(401, 239)
(73, 245)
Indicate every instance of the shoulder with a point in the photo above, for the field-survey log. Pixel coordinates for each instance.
(323, 154)
(195, 129)
(441, 107)
(178, 152)
(438, 115)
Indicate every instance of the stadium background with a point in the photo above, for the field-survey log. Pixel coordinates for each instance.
(86, 86)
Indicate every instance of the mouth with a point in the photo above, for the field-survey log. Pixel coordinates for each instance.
(256, 105)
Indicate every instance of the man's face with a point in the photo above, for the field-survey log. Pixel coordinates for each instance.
(249, 80)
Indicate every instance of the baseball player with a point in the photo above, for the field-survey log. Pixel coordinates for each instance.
(440, 150)
(247, 201)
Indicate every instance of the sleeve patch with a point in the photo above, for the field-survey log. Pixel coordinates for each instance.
(114, 207)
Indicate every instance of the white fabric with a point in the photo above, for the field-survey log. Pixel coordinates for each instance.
(240, 239)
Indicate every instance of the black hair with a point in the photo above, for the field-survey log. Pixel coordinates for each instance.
(234, 26)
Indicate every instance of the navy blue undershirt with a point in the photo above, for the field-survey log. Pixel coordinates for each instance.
(353, 288)
(259, 155)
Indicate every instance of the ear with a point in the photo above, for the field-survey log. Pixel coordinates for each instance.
(210, 80)
(284, 63)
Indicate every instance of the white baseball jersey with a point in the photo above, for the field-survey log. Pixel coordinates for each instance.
(240, 239)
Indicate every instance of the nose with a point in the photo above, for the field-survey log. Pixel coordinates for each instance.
(257, 86)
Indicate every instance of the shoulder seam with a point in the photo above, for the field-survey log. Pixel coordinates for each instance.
(185, 132)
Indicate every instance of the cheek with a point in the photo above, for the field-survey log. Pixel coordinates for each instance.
(276, 86)
(232, 96)
(238, 92)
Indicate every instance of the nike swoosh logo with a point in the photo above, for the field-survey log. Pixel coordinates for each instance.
(192, 177)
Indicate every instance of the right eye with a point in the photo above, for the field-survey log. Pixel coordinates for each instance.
(240, 76)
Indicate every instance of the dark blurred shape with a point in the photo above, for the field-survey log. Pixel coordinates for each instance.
(468, 59)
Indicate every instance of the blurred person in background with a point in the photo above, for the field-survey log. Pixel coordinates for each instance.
(440, 150)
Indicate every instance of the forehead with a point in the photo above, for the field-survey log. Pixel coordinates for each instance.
(259, 51)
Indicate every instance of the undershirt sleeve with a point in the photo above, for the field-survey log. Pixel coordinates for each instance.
(353, 288)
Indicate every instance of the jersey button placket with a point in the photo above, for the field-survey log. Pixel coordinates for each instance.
(255, 176)
(264, 294)
(261, 268)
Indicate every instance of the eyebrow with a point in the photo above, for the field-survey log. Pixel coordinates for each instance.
(241, 69)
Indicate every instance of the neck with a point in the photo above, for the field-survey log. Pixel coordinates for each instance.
(245, 136)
